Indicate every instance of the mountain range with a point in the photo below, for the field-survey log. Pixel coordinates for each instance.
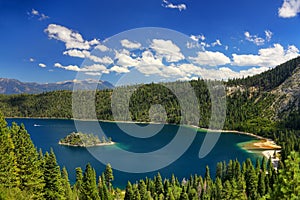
(13, 86)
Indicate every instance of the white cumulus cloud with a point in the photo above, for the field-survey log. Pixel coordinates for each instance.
(168, 4)
(130, 45)
(68, 67)
(119, 69)
(102, 48)
(289, 8)
(77, 53)
(167, 49)
(268, 57)
(87, 54)
(72, 39)
(42, 65)
(210, 58)
(87, 69)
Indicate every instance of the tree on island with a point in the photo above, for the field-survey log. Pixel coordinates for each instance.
(83, 140)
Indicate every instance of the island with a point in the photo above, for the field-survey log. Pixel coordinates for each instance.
(84, 140)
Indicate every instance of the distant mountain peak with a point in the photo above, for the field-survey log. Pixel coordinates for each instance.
(14, 86)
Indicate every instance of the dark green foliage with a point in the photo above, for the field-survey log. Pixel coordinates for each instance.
(89, 186)
(271, 78)
(66, 184)
(128, 192)
(159, 187)
(108, 175)
(14, 193)
(53, 181)
(104, 193)
(288, 184)
(29, 172)
(8, 168)
(143, 190)
(78, 183)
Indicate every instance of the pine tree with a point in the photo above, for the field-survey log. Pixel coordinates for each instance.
(264, 164)
(237, 169)
(128, 192)
(257, 165)
(173, 180)
(8, 168)
(219, 171)
(78, 183)
(288, 184)
(136, 193)
(230, 170)
(53, 182)
(218, 188)
(261, 184)
(207, 174)
(251, 183)
(102, 188)
(109, 177)
(143, 190)
(159, 187)
(241, 183)
(89, 187)
(28, 163)
(66, 184)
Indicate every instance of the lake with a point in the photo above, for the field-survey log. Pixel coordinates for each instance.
(45, 134)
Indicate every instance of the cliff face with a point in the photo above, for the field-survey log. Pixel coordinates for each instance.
(278, 89)
(287, 95)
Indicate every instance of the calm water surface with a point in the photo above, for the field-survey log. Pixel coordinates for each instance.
(46, 133)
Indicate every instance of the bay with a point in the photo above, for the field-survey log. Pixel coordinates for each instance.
(45, 134)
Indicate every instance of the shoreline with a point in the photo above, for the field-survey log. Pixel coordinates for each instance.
(261, 145)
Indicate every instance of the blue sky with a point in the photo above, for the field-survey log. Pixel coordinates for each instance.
(49, 40)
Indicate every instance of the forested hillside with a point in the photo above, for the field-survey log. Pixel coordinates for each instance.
(260, 104)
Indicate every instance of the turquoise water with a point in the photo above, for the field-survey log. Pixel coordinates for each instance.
(45, 134)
